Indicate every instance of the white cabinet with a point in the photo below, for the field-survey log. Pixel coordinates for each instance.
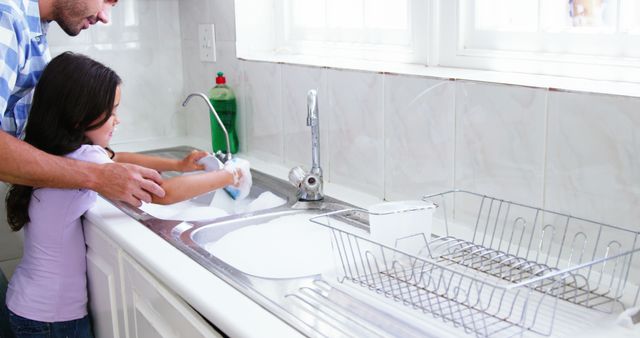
(105, 288)
(127, 301)
(155, 311)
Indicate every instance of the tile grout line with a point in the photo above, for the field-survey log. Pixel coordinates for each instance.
(384, 137)
(545, 148)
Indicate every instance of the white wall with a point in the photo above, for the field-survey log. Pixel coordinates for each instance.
(400, 137)
(143, 44)
(200, 76)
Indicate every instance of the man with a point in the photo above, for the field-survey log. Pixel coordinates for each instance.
(25, 53)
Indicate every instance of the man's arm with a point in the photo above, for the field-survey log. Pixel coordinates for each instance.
(20, 163)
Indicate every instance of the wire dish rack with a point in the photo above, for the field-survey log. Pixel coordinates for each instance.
(495, 268)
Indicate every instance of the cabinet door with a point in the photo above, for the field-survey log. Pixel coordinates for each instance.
(103, 278)
(154, 311)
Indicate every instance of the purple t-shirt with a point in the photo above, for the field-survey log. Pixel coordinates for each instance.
(50, 283)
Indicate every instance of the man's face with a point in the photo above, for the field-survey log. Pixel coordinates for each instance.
(75, 15)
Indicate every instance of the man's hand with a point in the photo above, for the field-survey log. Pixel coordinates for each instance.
(129, 183)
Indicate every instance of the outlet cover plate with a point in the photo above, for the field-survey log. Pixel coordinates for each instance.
(207, 42)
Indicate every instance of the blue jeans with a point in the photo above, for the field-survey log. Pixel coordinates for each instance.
(23, 327)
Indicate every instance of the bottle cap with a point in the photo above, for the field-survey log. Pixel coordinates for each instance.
(220, 79)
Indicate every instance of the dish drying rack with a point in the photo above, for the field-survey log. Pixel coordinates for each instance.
(495, 268)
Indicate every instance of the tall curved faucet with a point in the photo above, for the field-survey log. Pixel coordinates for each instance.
(309, 184)
(313, 121)
(215, 113)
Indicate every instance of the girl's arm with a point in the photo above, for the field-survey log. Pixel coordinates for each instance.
(161, 163)
(184, 187)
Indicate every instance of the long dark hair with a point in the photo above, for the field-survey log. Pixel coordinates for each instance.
(73, 92)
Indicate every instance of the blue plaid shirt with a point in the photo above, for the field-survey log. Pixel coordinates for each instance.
(24, 54)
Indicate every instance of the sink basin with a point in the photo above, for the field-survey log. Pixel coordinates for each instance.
(281, 245)
(278, 258)
(287, 264)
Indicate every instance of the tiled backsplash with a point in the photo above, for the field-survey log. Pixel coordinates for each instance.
(143, 44)
(419, 136)
(500, 139)
(400, 137)
(593, 156)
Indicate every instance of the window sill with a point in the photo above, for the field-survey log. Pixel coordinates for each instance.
(554, 83)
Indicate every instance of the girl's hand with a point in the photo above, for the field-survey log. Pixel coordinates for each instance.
(236, 173)
(237, 178)
(189, 163)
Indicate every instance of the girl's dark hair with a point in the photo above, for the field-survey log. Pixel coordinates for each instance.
(73, 92)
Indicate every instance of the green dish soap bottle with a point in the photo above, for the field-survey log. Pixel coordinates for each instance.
(224, 101)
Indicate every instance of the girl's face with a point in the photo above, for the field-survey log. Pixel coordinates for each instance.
(101, 136)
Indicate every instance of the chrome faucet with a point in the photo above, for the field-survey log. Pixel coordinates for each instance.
(222, 157)
(310, 183)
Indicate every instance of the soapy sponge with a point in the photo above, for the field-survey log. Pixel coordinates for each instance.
(242, 183)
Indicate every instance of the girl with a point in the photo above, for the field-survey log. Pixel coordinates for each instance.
(74, 114)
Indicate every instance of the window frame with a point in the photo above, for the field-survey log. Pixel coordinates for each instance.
(456, 53)
(442, 47)
(413, 50)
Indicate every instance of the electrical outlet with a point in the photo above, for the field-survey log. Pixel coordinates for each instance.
(207, 42)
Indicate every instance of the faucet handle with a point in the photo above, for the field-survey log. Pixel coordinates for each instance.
(296, 176)
(309, 184)
(222, 156)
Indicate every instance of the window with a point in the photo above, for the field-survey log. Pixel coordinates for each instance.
(597, 39)
(376, 30)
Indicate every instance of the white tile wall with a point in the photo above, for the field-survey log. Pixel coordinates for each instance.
(296, 82)
(224, 18)
(143, 44)
(201, 75)
(356, 130)
(593, 157)
(263, 110)
(419, 136)
(500, 139)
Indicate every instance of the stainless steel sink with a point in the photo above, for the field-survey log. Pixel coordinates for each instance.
(314, 303)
